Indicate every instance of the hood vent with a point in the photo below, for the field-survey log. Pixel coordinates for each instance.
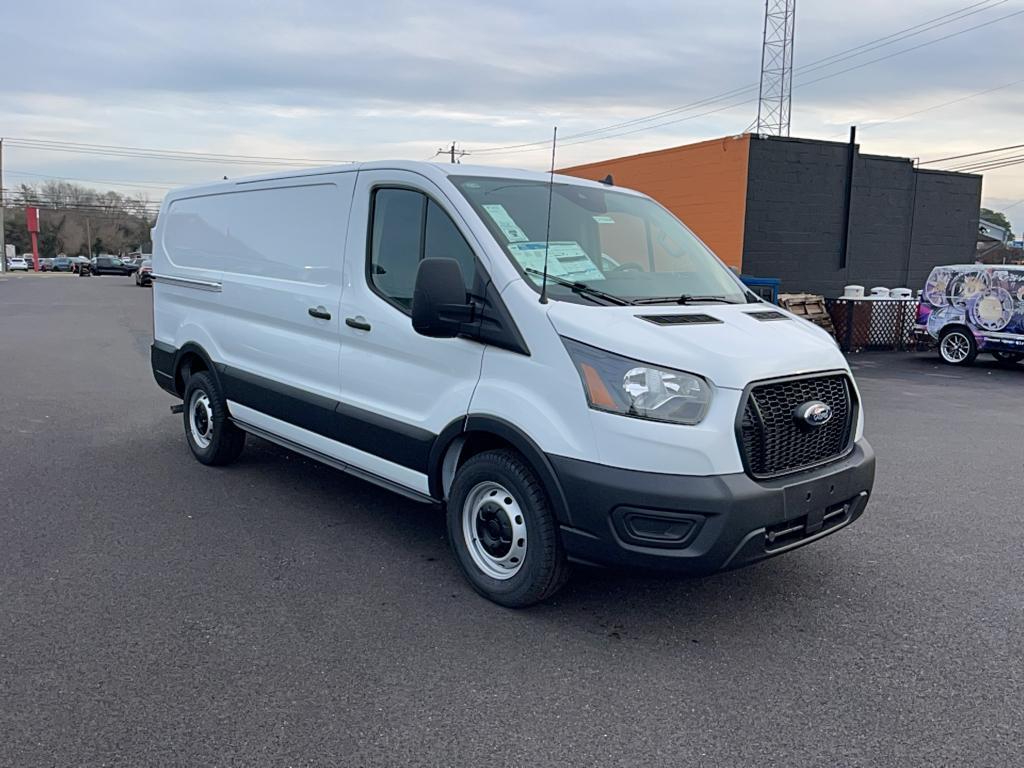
(766, 315)
(690, 319)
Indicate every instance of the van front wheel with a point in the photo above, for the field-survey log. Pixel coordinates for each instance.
(211, 436)
(503, 532)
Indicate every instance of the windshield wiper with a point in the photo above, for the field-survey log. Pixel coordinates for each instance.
(684, 299)
(581, 288)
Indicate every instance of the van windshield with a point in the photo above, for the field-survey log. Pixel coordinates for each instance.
(605, 247)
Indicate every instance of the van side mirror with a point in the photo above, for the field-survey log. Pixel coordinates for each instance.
(440, 306)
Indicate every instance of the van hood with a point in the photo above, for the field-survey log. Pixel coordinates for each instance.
(731, 350)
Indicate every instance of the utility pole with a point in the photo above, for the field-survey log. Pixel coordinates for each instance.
(3, 242)
(88, 238)
(452, 152)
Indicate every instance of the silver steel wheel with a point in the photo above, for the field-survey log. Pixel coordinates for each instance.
(955, 347)
(494, 529)
(200, 419)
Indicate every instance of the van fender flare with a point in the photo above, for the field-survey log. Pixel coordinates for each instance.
(444, 456)
(193, 348)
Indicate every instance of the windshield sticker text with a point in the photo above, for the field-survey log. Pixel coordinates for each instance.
(566, 259)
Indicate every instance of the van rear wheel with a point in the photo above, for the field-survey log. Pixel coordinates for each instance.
(502, 530)
(211, 436)
(958, 347)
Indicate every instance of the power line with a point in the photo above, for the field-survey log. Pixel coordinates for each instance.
(107, 215)
(725, 108)
(17, 198)
(53, 145)
(971, 154)
(113, 182)
(819, 79)
(818, 64)
(798, 85)
(182, 152)
(144, 156)
(916, 47)
(990, 165)
(871, 44)
(969, 96)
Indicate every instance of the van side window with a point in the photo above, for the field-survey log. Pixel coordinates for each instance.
(398, 220)
(408, 227)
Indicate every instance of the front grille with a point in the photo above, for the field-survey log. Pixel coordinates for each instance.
(772, 441)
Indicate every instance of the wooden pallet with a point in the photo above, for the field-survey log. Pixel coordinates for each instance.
(810, 306)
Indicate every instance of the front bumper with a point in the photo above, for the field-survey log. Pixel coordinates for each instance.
(699, 525)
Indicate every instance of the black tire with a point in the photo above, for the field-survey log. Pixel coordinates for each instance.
(543, 569)
(1008, 357)
(223, 440)
(957, 346)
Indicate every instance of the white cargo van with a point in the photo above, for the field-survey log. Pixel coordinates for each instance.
(637, 407)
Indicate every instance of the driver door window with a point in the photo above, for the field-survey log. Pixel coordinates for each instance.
(406, 228)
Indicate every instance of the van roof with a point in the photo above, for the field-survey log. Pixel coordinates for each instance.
(432, 170)
(981, 266)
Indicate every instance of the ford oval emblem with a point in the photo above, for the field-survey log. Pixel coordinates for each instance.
(813, 414)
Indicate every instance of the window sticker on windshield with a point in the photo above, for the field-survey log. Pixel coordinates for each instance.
(505, 223)
(604, 219)
(565, 259)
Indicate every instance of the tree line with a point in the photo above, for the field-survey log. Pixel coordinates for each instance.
(76, 220)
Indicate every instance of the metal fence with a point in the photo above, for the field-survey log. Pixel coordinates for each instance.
(873, 324)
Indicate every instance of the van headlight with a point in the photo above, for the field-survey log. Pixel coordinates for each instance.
(628, 387)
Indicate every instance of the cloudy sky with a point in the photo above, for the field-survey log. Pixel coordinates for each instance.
(349, 81)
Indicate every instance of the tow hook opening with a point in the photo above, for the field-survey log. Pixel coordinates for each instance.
(792, 531)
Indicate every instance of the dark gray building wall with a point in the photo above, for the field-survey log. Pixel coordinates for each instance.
(945, 222)
(902, 221)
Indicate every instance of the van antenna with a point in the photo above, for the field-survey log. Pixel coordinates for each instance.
(547, 233)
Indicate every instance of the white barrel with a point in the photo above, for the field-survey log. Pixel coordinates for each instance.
(880, 292)
(900, 293)
(853, 292)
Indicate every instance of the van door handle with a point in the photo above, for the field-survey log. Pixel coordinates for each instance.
(358, 322)
(319, 312)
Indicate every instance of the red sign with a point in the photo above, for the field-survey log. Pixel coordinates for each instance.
(32, 222)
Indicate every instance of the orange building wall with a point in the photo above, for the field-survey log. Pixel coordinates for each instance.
(703, 184)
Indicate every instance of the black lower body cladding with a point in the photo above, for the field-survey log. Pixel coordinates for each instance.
(700, 525)
(607, 516)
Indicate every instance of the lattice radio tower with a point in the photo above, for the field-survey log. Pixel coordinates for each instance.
(776, 94)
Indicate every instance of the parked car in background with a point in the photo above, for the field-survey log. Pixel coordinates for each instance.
(112, 265)
(17, 264)
(144, 274)
(46, 265)
(974, 308)
(77, 262)
(60, 264)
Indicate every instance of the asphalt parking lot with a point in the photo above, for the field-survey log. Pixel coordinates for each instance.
(154, 611)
